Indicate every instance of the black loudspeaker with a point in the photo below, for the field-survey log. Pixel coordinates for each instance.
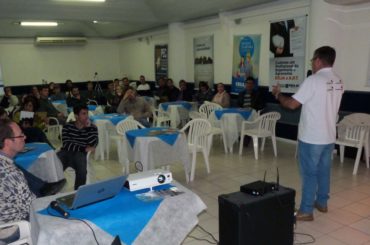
(257, 220)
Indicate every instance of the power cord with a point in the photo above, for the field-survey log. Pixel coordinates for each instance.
(81, 220)
(139, 166)
(215, 241)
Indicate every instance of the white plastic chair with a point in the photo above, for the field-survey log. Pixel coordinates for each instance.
(121, 128)
(205, 111)
(198, 141)
(54, 129)
(207, 108)
(353, 131)
(262, 127)
(160, 118)
(24, 232)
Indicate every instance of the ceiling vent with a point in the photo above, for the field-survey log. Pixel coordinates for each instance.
(61, 41)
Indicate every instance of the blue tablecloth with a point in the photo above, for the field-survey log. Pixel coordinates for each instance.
(124, 215)
(184, 104)
(26, 159)
(113, 117)
(92, 107)
(167, 135)
(245, 113)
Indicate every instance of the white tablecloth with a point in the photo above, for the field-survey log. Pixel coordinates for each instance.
(174, 219)
(47, 167)
(177, 113)
(231, 124)
(153, 152)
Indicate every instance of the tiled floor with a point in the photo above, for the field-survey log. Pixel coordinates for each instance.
(348, 219)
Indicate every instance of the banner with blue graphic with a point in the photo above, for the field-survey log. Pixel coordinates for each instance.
(246, 59)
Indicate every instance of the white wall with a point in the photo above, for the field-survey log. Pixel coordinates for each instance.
(136, 55)
(24, 63)
(346, 28)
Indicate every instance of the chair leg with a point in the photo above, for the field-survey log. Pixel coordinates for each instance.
(193, 164)
(357, 161)
(273, 139)
(241, 144)
(263, 144)
(366, 145)
(107, 145)
(119, 153)
(341, 153)
(255, 146)
(224, 141)
(206, 160)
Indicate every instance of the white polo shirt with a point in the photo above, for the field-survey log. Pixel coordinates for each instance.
(320, 96)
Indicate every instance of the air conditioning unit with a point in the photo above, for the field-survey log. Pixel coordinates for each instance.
(61, 41)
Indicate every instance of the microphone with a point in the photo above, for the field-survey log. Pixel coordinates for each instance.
(54, 205)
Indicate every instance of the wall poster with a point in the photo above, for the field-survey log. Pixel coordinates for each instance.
(246, 59)
(161, 61)
(287, 53)
(203, 60)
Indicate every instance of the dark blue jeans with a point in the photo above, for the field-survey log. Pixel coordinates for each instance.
(77, 161)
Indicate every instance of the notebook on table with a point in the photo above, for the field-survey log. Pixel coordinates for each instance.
(92, 193)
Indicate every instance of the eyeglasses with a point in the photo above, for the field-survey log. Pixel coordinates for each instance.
(17, 137)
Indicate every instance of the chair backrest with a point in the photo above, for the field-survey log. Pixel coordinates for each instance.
(356, 119)
(207, 108)
(267, 121)
(355, 133)
(198, 132)
(127, 124)
(24, 232)
(354, 127)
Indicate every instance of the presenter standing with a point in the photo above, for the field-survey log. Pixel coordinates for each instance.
(320, 96)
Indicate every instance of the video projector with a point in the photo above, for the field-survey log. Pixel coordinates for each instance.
(148, 179)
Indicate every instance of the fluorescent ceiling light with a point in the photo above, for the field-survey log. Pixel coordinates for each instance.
(38, 23)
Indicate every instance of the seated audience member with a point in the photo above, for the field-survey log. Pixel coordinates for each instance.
(162, 91)
(8, 100)
(204, 93)
(116, 83)
(3, 113)
(39, 187)
(221, 97)
(251, 97)
(58, 95)
(16, 196)
(30, 105)
(114, 103)
(51, 88)
(76, 98)
(135, 106)
(185, 94)
(78, 137)
(69, 86)
(173, 92)
(125, 84)
(45, 105)
(90, 93)
(110, 92)
(143, 88)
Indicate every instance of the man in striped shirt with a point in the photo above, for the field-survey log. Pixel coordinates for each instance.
(78, 138)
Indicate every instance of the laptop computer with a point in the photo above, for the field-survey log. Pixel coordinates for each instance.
(92, 193)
